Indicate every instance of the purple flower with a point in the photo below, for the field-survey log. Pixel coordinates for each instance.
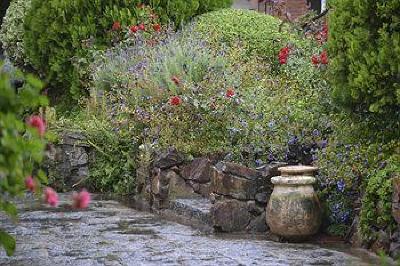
(271, 157)
(259, 162)
(324, 143)
(340, 186)
(315, 133)
(293, 140)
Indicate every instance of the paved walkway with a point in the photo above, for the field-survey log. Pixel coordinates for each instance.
(109, 233)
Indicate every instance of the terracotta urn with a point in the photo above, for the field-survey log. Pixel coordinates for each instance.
(293, 210)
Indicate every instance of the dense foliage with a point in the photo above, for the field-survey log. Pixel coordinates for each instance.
(179, 11)
(244, 85)
(255, 32)
(61, 49)
(21, 146)
(12, 31)
(364, 46)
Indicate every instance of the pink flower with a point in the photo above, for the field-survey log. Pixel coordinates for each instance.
(157, 27)
(116, 26)
(142, 27)
(134, 29)
(283, 55)
(50, 197)
(81, 200)
(30, 183)
(324, 57)
(176, 80)
(230, 93)
(38, 122)
(176, 100)
(315, 60)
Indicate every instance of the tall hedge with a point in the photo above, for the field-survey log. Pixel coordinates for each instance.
(364, 45)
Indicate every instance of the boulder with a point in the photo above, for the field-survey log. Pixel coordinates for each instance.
(230, 216)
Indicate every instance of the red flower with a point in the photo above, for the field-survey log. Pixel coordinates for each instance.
(37, 122)
(324, 57)
(141, 5)
(283, 55)
(176, 100)
(81, 200)
(230, 93)
(50, 197)
(30, 184)
(116, 26)
(142, 27)
(315, 60)
(157, 27)
(134, 29)
(176, 80)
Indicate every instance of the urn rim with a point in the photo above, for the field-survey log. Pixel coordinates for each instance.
(293, 180)
(297, 170)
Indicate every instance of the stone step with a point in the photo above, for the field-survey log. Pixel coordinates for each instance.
(190, 211)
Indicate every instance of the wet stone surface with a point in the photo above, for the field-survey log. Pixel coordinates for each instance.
(109, 233)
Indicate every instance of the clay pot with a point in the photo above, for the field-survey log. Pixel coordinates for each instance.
(293, 210)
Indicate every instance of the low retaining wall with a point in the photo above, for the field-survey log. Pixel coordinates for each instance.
(237, 195)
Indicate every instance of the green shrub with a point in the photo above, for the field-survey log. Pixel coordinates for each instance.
(364, 46)
(179, 11)
(21, 147)
(257, 33)
(376, 212)
(12, 31)
(60, 35)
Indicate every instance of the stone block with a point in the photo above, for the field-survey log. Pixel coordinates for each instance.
(396, 199)
(236, 187)
(230, 216)
(168, 159)
(199, 170)
(178, 188)
(258, 224)
(238, 170)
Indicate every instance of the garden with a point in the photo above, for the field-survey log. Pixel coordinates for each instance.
(135, 80)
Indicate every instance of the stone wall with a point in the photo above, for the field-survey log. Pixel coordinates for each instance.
(67, 162)
(238, 195)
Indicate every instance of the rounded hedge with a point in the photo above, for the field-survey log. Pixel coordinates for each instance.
(364, 46)
(259, 34)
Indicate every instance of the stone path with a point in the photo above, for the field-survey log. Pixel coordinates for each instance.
(109, 233)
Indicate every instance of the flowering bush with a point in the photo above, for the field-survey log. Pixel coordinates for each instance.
(185, 90)
(62, 50)
(21, 144)
(256, 33)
